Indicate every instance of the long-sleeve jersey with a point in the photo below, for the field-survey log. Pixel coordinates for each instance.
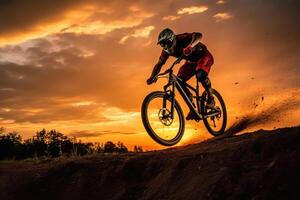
(182, 41)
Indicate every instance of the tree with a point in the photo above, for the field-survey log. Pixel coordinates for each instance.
(37, 145)
(54, 143)
(99, 148)
(83, 148)
(109, 147)
(51, 143)
(11, 145)
(121, 148)
(137, 149)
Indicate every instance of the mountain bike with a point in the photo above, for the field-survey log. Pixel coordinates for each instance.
(163, 117)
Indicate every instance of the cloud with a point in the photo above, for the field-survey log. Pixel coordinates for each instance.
(141, 32)
(222, 16)
(220, 2)
(80, 18)
(96, 26)
(82, 103)
(171, 17)
(32, 90)
(185, 11)
(35, 23)
(192, 10)
(58, 80)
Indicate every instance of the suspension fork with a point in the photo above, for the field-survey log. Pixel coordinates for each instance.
(169, 94)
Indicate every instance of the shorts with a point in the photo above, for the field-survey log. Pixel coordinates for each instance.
(189, 69)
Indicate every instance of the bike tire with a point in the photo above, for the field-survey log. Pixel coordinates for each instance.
(146, 123)
(217, 95)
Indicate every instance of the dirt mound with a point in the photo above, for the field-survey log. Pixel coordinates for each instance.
(258, 165)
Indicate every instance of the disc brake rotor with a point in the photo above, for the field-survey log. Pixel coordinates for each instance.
(164, 116)
(218, 116)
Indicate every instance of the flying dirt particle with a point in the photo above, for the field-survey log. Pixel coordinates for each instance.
(236, 83)
(269, 114)
(262, 98)
(252, 78)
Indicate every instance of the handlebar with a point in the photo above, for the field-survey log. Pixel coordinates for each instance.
(170, 68)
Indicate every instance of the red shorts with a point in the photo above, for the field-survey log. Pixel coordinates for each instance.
(188, 69)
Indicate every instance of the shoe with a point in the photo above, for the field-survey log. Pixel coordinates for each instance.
(210, 104)
(191, 116)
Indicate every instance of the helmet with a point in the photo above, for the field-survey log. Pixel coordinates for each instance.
(167, 40)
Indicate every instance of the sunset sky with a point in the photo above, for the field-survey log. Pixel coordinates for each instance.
(80, 67)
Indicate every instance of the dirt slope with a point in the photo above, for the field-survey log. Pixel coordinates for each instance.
(259, 165)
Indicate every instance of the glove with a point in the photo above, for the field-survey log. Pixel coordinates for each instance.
(188, 50)
(151, 80)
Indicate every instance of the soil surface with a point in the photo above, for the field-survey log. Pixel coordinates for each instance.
(258, 165)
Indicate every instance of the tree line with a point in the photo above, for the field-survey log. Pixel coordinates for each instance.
(53, 144)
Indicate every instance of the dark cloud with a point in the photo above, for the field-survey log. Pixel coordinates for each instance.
(18, 16)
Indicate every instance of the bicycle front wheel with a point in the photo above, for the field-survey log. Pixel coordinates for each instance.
(158, 121)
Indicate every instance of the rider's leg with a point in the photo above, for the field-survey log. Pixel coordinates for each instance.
(204, 80)
(202, 70)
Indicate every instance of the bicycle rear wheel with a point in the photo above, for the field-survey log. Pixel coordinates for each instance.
(158, 122)
(216, 124)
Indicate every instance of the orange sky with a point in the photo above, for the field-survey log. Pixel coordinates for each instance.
(80, 67)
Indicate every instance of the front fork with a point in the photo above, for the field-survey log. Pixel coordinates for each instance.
(169, 94)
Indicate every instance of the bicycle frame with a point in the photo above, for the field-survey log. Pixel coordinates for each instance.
(174, 82)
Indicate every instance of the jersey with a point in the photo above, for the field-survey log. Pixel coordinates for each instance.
(182, 41)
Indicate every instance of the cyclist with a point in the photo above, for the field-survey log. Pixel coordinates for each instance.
(198, 61)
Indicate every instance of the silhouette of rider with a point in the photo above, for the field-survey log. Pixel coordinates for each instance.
(198, 61)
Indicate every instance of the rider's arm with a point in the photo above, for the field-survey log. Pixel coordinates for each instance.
(157, 68)
(161, 61)
(196, 37)
(194, 40)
